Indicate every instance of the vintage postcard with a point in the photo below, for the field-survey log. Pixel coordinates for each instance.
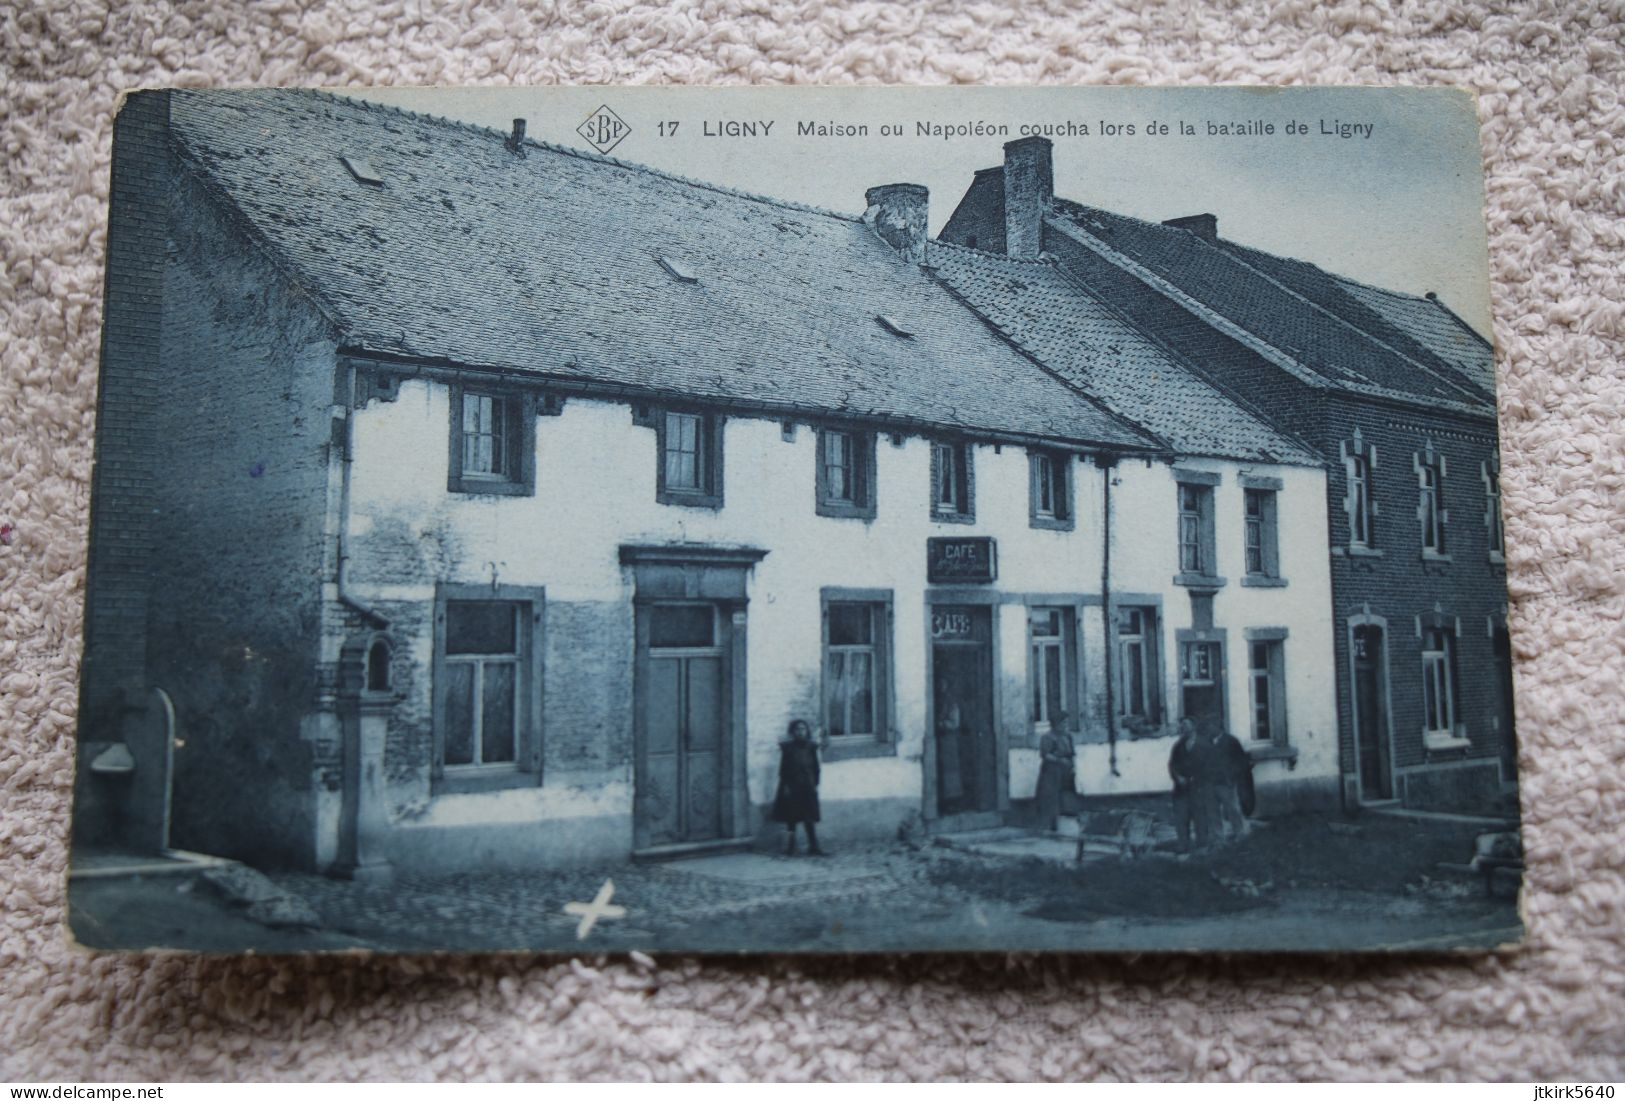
(797, 520)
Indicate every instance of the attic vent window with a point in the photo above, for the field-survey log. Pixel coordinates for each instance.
(676, 270)
(363, 170)
(893, 326)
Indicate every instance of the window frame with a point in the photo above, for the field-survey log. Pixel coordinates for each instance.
(519, 446)
(1267, 491)
(1494, 518)
(1066, 642)
(1432, 514)
(708, 458)
(530, 642)
(1149, 641)
(962, 455)
(883, 741)
(1273, 675)
(1441, 675)
(1204, 484)
(862, 505)
(1361, 508)
(1062, 513)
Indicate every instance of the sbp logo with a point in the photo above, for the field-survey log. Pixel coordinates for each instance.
(604, 129)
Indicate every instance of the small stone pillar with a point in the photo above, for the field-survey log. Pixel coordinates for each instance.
(366, 698)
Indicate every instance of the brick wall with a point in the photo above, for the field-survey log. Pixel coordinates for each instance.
(121, 535)
(241, 433)
(1400, 586)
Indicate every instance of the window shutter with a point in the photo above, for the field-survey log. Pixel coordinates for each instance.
(1271, 534)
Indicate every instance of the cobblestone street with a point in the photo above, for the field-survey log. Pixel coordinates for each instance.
(1324, 883)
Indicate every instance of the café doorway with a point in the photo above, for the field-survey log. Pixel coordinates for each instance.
(967, 772)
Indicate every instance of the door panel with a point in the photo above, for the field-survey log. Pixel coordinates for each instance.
(683, 699)
(658, 801)
(1371, 713)
(962, 687)
(703, 754)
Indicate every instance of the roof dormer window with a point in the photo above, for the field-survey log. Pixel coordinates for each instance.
(363, 171)
(676, 270)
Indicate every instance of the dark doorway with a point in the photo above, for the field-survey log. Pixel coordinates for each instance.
(1371, 713)
(683, 698)
(962, 691)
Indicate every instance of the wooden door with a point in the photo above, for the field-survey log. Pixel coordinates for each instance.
(1371, 713)
(962, 687)
(683, 697)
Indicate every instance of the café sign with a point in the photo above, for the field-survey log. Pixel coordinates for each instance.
(965, 560)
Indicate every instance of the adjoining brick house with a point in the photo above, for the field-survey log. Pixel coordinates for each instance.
(1398, 392)
(479, 502)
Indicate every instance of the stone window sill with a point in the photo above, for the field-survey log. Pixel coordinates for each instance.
(845, 510)
(481, 779)
(952, 517)
(1435, 742)
(1259, 581)
(1271, 751)
(1435, 556)
(857, 748)
(1199, 581)
(1355, 550)
(1497, 558)
(1051, 523)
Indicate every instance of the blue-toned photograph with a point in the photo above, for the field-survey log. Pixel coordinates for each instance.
(799, 520)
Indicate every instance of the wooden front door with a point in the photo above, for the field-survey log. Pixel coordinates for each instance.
(1371, 713)
(683, 695)
(967, 759)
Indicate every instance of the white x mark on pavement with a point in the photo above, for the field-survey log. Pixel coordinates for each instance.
(590, 912)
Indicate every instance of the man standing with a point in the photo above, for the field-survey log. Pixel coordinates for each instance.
(1234, 790)
(1189, 804)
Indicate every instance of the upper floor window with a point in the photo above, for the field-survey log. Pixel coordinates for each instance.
(1492, 509)
(492, 442)
(1261, 530)
(1431, 513)
(1359, 502)
(690, 471)
(846, 473)
(951, 482)
(1050, 489)
(1197, 553)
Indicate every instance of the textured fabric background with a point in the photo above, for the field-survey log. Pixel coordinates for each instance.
(1550, 76)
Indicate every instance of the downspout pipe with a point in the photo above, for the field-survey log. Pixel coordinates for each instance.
(371, 615)
(1108, 464)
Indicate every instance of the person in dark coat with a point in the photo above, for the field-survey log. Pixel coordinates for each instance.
(1235, 796)
(1182, 770)
(797, 798)
(1057, 792)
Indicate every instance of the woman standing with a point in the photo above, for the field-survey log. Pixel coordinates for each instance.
(1057, 783)
(797, 798)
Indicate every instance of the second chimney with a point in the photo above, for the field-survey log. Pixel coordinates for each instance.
(1205, 226)
(516, 140)
(897, 212)
(1029, 192)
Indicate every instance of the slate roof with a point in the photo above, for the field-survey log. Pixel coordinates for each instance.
(1432, 324)
(1294, 307)
(1052, 316)
(551, 263)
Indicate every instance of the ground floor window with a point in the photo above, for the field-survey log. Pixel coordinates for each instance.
(1051, 650)
(856, 694)
(1139, 699)
(1438, 682)
(1266, 672)
(484, 682)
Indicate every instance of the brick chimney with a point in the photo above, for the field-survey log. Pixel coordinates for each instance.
(897, 212)
(1205, 226)
(1029, 192)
